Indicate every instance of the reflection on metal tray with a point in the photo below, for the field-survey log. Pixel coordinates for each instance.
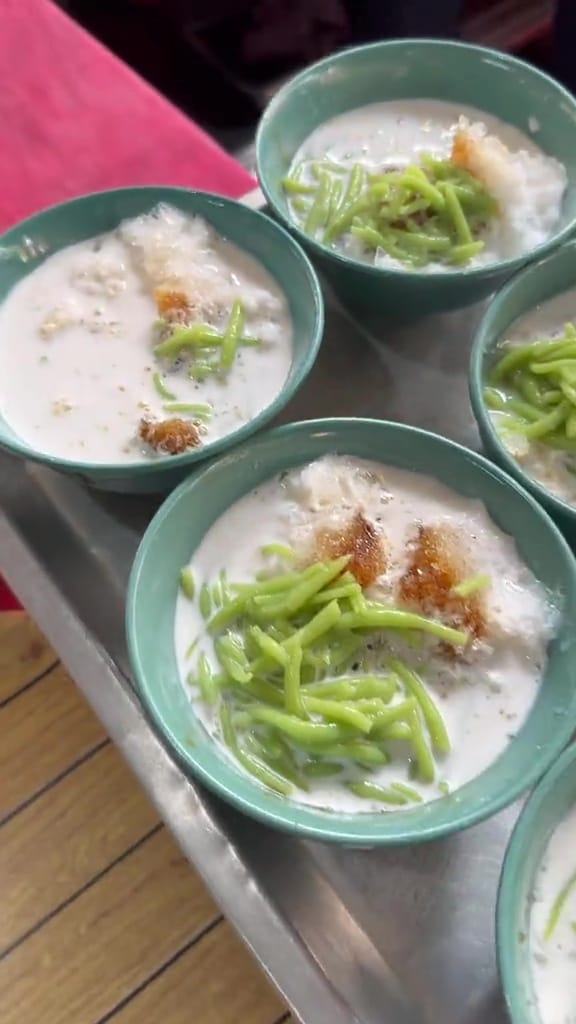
(375, 937)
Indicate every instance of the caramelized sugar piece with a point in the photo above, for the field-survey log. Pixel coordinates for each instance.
(172, 436)
(173, 305)
(481, 156)
(436, 565)
(462, 149)
(360, 539)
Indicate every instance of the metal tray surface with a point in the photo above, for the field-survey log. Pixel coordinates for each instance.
(374, 937)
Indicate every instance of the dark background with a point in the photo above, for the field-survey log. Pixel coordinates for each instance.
(195, 51)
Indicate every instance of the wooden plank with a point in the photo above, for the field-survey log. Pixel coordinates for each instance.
(24, 653)
(215, 982)
(66, 837)
(107, 942)
(44, 731)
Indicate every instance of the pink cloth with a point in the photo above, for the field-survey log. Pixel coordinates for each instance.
(8, 602)
(75, 119)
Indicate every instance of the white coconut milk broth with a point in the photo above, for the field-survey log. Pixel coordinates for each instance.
(76, 340)
(483, 704)
(554, 959)
(548, 466)
(396, 133)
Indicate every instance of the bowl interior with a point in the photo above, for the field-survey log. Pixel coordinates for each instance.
(179, 527)
(551, 276)
(552, 800)
(414, 69)
(255, 233)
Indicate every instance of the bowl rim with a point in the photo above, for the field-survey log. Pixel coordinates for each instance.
(355, 829)
(483, 346)
(137, 468)
(498, 267)
(511, 878)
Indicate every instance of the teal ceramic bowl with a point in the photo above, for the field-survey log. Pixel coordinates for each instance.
(189, 512)
(548, 805)
(551, 276)
(414, 69)
(253, 232)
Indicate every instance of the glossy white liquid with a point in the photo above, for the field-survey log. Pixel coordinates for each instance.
(485, 702)
(555, 470)
(396, 133)
(76, 339)
(554, 960)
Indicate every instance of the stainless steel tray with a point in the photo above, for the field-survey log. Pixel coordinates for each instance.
(375, 937)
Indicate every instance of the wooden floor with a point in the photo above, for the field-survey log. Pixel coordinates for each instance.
(101, 917)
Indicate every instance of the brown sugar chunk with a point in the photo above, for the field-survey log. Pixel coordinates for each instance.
(462, 149)
(173, 436)
(173, 305)
(361, 540)
(436, 565)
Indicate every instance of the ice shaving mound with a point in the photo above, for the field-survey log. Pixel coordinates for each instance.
(328, 494)
(528, 187)
(176, 252)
